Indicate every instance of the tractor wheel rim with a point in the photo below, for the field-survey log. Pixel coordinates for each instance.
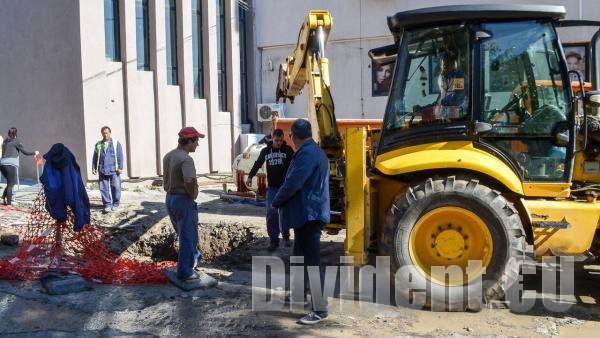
(445, 239)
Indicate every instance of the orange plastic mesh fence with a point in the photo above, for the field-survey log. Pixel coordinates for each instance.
(48, 245)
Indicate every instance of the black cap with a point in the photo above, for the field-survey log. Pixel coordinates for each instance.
(301, 129)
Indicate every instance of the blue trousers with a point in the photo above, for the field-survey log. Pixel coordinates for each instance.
(183, 212)
(274, 227)
(307, 243)
(110, 185)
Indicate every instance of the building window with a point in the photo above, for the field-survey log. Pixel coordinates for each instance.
(197, 48)
(142, 34)
(171, 41)
(242, 8)
(111, 30)
(221, 55)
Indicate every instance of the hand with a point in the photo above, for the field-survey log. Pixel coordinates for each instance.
(35, 153)
(248, 182)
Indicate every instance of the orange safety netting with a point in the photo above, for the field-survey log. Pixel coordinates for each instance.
(48, 245)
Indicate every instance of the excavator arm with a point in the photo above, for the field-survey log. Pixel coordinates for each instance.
(309, 67)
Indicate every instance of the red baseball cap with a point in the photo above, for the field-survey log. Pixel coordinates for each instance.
(189, 132)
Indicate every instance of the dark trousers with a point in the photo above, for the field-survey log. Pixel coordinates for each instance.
(307, 244)
(10, 173)
(274, 226)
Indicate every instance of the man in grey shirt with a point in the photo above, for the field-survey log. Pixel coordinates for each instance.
(180, 183)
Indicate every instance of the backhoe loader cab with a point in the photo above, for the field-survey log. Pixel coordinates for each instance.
(508, 79)
(484, 152)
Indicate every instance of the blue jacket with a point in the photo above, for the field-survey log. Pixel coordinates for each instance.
(64, 187)
(304, 195)
(103, 160)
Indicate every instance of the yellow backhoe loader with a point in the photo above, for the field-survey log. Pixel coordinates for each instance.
(485, 153)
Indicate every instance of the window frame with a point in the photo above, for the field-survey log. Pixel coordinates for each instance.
(112, 36)
(142, 35)
(171, 42)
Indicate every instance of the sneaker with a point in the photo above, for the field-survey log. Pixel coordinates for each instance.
(313, 318)
(287, 242)
(107, 210)
(116, 208)
(273, 246)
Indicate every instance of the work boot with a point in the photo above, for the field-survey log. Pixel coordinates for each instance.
(273, 246)
(287, 243)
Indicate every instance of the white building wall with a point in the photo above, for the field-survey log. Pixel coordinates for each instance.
(103, 96)
(219, 138)
(57, 86)
(143, 111)
(233, 64)
(358, 26)
(40, 78)
(139, 108)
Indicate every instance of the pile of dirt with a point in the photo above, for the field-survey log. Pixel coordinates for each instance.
(230, 232)
(224, 243)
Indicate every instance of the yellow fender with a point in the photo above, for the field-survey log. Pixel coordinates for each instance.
(445, 155)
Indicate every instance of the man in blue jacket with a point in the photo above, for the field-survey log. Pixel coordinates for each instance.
(303, 200)
(107, 162)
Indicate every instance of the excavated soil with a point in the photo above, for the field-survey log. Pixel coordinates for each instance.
(231, 234)
(142, 229)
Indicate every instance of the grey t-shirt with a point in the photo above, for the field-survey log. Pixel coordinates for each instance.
(177, 165)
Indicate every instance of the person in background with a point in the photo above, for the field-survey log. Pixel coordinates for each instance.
(278, 155)
(180, 183)
(107, 162)
(452, 99)
(9, 163)
(303, 200)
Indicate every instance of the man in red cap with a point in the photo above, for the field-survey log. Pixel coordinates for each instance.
(179, 181)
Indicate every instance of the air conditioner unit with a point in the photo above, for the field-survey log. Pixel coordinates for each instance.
(264, 111)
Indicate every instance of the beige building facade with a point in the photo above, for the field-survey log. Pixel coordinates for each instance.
(59, 83)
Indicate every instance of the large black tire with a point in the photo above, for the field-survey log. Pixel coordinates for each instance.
(445, 222)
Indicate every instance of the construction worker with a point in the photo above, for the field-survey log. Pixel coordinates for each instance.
(107, 162)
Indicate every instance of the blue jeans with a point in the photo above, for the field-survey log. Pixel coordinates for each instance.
(274, 227)
(183, 212)
(307, 243)
(110, 185)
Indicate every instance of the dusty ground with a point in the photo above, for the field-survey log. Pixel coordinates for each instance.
(233, 232)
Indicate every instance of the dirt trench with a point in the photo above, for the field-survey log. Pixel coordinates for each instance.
(222, 244)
